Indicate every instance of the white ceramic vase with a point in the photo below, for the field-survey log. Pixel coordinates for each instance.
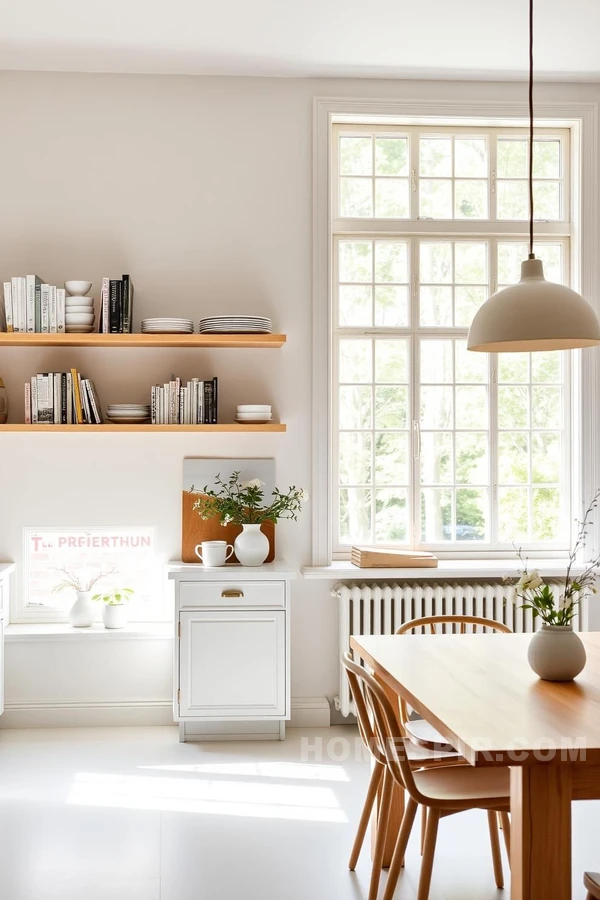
(251, 546)
(83, 611)
(556, 653)
(114, 616)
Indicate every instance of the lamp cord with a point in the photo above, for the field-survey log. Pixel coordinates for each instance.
(531, 253)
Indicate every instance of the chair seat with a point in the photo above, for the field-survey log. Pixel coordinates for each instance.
(591, 881)
(456, 785)
(422, 756)
(421, 732)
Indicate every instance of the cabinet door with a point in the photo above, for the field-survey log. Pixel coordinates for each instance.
(232, 664)
(1, 666)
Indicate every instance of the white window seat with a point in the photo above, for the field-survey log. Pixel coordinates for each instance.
(65, 632)
(447, 568)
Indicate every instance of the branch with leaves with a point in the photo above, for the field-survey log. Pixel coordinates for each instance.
(243, 503)
(70, 580)
(540, 598)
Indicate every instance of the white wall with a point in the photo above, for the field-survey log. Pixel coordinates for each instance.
(201, 190)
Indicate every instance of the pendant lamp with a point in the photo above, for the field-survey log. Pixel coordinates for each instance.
(534, 314)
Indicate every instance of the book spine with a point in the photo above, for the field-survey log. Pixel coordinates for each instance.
(45, 301)
(30, 281)
(105, 306)
(14, 283)
(69, 398)
(45, 398)
(34, 400)
(120, 304)
(60, 310)
(52, 309)
(83, 399)
(95, 402)
(28, 404)
(56, 398)
(64, 400)
(181, 411)
(207, 390)
(23, 302)
(215, 410)
(114, 312)
(8, 306)
(126, 282)
(38, 305)
(77, 397)
(153, 405)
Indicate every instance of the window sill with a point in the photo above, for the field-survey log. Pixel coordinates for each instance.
(137, 631)
(447, 568)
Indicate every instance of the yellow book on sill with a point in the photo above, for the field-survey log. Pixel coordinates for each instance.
(385, 558)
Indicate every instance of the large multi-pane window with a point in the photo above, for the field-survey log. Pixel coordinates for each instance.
(433, 445)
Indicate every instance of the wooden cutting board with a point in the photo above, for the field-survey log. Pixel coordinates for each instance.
(194, 530)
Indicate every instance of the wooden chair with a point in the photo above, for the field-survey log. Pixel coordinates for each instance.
(591, 881)
(419, 731)
(381, 780)
(444, 791)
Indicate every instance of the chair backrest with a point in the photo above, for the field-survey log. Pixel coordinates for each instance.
(366, 727)
(388, 735)
(465, 624)
(462, 624)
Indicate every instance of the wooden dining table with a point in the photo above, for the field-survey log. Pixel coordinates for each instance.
(480, 693)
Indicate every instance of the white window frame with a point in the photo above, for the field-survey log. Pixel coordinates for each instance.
(22, 613)
(581, 120)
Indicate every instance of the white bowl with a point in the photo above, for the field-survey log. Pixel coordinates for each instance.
(79, 301)
(249, 409)
(78, 287)
(79, 318)
(86, 310)
(251, 417)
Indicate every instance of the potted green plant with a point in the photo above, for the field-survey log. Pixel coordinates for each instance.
(113, 606)
(83, 612)
(556, 652)
(243, 503)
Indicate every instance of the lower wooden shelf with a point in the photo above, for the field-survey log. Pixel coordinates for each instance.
(270, 428)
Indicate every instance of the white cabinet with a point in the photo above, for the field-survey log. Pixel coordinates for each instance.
(232, 663)
(6, 570)
(232, 651)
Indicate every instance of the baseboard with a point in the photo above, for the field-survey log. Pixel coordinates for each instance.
(73, 714)
(306, 712)
(310, 712)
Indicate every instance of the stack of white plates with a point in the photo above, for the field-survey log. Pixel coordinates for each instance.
(167, 326)
(128, 413)
(253, 415)
(236, 325)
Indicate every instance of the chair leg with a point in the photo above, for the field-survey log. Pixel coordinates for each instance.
(382, 822)
(495, 842)
(433, 818)
(400, 848)
(505, 819)
(423, 827)
(366, 814)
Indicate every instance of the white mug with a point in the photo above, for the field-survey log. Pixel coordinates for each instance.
(213, 553)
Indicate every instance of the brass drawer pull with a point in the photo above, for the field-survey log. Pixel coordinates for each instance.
(232, 593)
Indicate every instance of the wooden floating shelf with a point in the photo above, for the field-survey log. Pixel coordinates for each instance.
(241, 341)
(270, 428)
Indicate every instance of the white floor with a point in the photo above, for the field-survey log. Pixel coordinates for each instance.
(129, 813)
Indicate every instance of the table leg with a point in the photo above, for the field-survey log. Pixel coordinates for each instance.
(540, 805)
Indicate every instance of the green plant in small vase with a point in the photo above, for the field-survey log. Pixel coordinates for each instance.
(236, 502)
(113, 609)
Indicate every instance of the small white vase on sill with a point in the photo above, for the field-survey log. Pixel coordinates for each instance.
(251, 546)
(83, 611)
(556, 653)
(113, 615)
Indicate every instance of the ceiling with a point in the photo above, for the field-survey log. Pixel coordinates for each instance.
(475, 39)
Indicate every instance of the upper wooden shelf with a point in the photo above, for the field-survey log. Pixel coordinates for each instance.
(235, 427)
(241, 341)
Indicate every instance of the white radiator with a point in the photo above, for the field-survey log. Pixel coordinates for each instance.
(382, 608)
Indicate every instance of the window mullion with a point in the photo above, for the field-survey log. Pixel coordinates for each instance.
(416, 461)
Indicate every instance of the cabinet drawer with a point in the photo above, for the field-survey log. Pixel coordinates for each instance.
(193, 594)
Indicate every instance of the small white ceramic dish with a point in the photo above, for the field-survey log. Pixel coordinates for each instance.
(247, 408)
(79, 301)
(78, 287)
(86, 310)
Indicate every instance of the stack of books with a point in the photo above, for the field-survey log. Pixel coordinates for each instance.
(194, 403)
(62, 398)
(30, 305)
(116, 306)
